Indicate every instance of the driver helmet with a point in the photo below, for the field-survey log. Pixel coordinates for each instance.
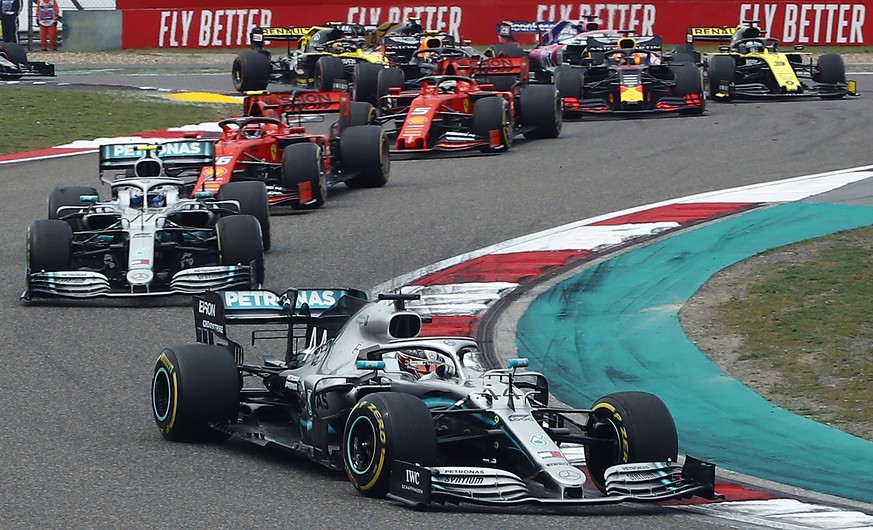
(448, 86)
(418, 363)
(251, 131)
(136, 198)
(755, 46)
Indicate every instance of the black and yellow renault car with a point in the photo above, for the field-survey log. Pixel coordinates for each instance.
(751, 66)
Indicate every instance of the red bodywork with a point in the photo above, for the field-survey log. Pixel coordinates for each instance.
(434, 119)
(240, 157)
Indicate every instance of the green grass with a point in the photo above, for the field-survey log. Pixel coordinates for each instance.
(35, 118)
(807, 318)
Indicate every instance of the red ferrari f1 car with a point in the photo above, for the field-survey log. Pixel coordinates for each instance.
(271, 145)
(460, 108)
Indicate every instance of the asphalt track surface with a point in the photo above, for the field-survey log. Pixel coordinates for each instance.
(80, 448)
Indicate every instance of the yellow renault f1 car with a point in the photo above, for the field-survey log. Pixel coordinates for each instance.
(329, 57)
(750, 66)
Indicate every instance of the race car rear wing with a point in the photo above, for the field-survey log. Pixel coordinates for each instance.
(282, 105)
(319, 312)
(174, 156)
(258, 36)
(547, 31)
(607, 43)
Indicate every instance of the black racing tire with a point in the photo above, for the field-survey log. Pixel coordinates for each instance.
(49, 246)
(635, 427)
(689, 81)
(389, 78)
(252, 198)
(504, 50)
(327, 70)
(503, 83)
(194, 386)
(830, 69)
(240, 243)
(489, 114)
(362, 113)
(542, 114)
(251, 71)
(14, 52)
(303, 163)
(383, 428)
(366, 82)
(568, 81)
(722, 68)
(364, 151)
(68, 196)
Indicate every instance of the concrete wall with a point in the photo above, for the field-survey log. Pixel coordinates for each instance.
(88, 31)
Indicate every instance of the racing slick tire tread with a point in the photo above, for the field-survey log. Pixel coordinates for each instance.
(68, 196)
(568, 81)
(389, 78)
(362, 113)
(327, 70)
(489, 114)
(689, 81)
(721, 68)
(542, 114)
(240, 243)
(194, 385)
(366, 82)
(830, 70)
(364, 150)
(252, 198)
(303, 163)
(14, 52)
(251, 71)
(640, 429)
(382, 428)
(49, 246)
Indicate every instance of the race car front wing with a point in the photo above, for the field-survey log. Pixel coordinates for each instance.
(420, 487)
(89, 284)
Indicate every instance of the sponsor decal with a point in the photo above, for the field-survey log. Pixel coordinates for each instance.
(818, 23)
(206, 308)
(520, 417)
(219, 27)
(217, 173)
(439, 18)
(316, 299)
(636, 18)
(538, 439)
(413, 477)
(212, 326)
(417, 119)
(460, 479)
(135, 262)
(251, 300)
(550, 454)
(139, 276)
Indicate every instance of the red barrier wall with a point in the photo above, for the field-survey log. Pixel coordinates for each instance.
(226, 23)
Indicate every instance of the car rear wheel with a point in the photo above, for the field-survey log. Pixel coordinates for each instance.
(240, 243)
(195, 386)
(364, 151)
(631, 427)
(49, 246)
(366, 82)
(383, 428)
(251, 71)
(362, 113)
(252, 199)
(722, 70)
(492, 114)
(389, 78)
(327, 70)
(542, 114)
(303, 164)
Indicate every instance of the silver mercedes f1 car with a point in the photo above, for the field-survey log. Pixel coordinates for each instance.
(148, 238)
(416, 419)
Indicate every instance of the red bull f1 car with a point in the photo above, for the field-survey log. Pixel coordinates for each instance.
(631, 77)
(271, 145)
(419, 420)
(750, 66)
